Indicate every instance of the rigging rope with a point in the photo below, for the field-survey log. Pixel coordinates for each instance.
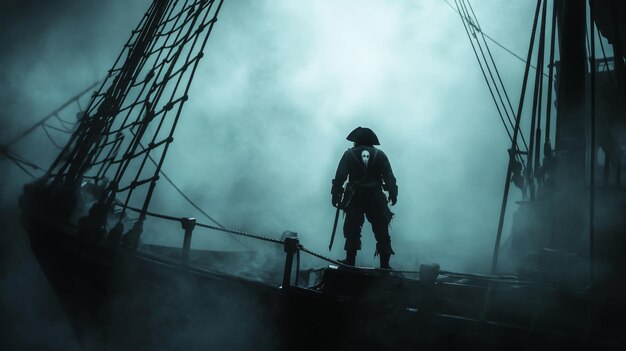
(89, 136)
(65, 131)
(52, 114)
(507, 181)
(66, 127)
(66, 124)
(495, 41)
(547, 148)
(189, 80)
(191, 202)
(536, 109)
(497, 71)
(45, 129)
(471, 28)
(484, 74)
(19, 165)
(20, 161)
(135, 100)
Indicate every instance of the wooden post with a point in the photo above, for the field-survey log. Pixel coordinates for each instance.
(188, 225)
(291, 247)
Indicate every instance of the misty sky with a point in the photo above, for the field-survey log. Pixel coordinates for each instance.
(281, 85)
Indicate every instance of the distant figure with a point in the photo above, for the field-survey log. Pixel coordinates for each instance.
(368, 172)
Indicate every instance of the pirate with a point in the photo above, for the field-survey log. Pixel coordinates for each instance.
(368, 172)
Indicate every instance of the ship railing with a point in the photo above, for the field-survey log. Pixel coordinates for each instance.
(293, 247)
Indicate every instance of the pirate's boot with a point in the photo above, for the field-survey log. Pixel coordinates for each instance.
(384, 250)
(384, 260)
(350, 258)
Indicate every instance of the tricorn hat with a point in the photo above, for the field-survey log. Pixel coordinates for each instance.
(363, 136)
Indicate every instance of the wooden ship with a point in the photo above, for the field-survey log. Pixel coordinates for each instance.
(85, 215)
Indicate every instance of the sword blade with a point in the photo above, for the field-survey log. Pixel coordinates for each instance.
(332, 237)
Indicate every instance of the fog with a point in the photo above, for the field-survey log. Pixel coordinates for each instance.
(262, 135)
(281, 85)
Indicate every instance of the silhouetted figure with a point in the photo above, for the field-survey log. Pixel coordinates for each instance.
(368, 172)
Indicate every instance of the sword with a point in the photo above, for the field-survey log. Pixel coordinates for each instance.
(332, 237)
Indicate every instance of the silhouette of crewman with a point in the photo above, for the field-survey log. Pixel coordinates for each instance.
(367, 171)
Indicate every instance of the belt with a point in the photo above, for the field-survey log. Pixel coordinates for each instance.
(371, 184)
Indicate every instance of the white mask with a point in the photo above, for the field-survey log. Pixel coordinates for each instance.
(365, 157)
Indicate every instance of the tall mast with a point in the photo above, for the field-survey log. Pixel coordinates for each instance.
(570, 130)
(571, 140)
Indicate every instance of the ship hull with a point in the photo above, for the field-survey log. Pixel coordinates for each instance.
(121, 299)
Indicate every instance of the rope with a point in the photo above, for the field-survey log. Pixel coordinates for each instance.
(547, 146)
(219, 229)
(485, 75)
(322, 257)
(312, 253)
(62, 130)
(19, 165)
(240, 233)
(45, 129)
(52, 114)
(497, 43)
(473, 24)
(13, 155)
(189, 81)
(191, 202)
(98, 97)
(140, 95)
(131, 69)
(536, 109)
(327, 259)
(67, 124)
(164, 69)
(507, 181)
(19, 161)
(540, 63)
(108, 107)
(495, 67)
(468, 24)
(258, 237)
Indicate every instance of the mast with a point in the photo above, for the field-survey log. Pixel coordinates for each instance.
(571, 139)
(570, 129)
(550, 226)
